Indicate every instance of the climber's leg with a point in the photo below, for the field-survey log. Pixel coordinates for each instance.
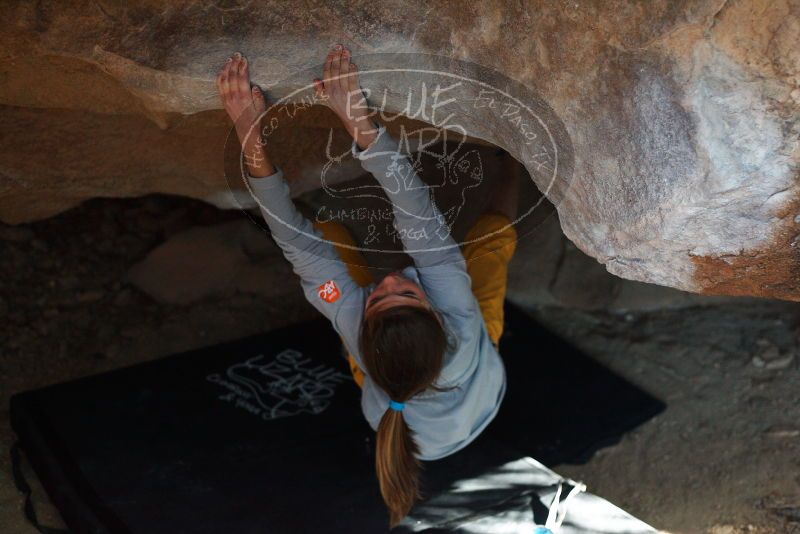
(489, 246)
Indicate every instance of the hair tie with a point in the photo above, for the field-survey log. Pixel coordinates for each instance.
(397, 406)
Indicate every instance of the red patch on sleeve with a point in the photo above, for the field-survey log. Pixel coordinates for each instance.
(329, 292)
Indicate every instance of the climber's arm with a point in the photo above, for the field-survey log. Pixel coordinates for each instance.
(324, 278)
(421, 226)
(424, 232)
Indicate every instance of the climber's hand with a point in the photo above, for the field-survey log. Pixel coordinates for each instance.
(340, 89)
(245, 106)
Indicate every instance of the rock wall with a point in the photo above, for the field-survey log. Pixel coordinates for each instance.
(682, 115)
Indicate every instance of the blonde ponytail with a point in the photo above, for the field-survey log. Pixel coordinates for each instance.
(403, 351)
(397, 465)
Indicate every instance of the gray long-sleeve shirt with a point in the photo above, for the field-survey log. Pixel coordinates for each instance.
(443, 421)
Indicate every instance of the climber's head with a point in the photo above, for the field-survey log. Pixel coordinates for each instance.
(403, 343)
(402, 338)
(392, 291)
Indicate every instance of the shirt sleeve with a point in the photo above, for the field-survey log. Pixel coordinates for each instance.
(325, 280)
(422, 228)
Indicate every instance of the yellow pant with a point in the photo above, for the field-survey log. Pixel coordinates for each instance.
(487, 265)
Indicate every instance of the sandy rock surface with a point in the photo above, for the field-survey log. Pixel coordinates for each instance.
(674, 124)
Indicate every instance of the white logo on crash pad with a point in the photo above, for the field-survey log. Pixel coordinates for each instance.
(288, 384)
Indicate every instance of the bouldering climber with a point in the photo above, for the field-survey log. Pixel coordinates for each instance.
(422, 343)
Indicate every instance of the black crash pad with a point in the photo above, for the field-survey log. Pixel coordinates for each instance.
(266, 435)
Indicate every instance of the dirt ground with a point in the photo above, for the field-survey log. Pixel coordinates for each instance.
(724, 458)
